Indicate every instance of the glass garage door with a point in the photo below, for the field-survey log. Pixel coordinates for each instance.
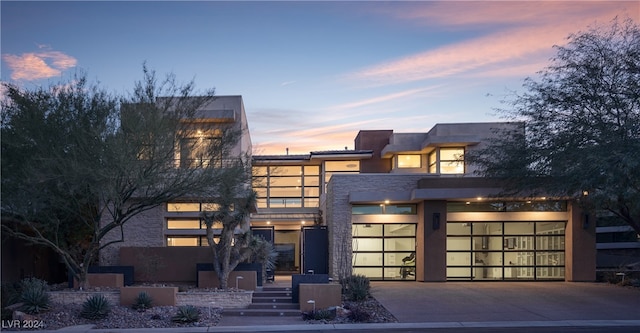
(505, 250)
(384, 251)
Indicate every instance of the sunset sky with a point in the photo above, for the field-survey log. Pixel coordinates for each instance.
(311, 73)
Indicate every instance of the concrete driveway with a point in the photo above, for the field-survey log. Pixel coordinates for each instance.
(419, 302)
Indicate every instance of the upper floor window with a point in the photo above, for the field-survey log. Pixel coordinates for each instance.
(447, 160)
(409, 161)
(200, 152)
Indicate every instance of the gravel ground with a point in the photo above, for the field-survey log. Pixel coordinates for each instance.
(60, 316)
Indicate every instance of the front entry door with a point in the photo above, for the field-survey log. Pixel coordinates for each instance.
(315, 250)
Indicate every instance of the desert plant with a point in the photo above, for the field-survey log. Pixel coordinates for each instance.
(95, 307)
(34, 295)
(358, 315)
(142, 302)
(35, 300)
(186, 314)
(356, 287)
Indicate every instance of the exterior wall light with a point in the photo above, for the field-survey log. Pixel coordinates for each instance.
(435, 223)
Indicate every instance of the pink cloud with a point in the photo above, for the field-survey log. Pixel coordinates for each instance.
(534, 27)
(35, 66)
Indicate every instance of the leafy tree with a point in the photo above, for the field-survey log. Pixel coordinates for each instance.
(580, 125)
(78, 163)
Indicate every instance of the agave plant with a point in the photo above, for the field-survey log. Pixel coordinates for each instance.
(142, 302)
(35, 300)
(186, 314)
(96, 307)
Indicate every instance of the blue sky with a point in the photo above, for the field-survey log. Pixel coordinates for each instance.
(311, 73)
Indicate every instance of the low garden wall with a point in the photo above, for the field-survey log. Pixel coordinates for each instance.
(236, 299)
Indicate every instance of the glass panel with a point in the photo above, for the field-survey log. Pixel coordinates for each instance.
(183, 224)
(524, 228)
(400, 209)
(399, 230)
(285, 192)
(458, 228)
(183, 207)
(458, 243)
(285, 202)
(367, 244)
(550, 242)
(399, 244)
(286, 171)
(367, 259)
(491, 228)
(366, 209)
(259, 182)
(550, 259)
(452, 167)
(259, 170)
(211, 207)
(261, 192)
(262, 203)
(399, 273)
(487, 243)
(458, 259)
(451, 154)
(373, 273)
(182, 241)
(409, 161)
(537, 206)
(311, 181)
(400, 259)
(359, 230)
(311, 170)
(311, 202)
(481, 259)
(459, 272)
(311, 191)
(518, 258)
(475, 207)
(556, 228)
(353, 166)
(286, 181)
(555, 273)
(432, 162)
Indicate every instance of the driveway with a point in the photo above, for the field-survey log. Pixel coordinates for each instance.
(416, 302)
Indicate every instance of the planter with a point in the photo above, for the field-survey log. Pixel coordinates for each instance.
(323, 294)
(160, 295)
(297, 279)
(209, 279)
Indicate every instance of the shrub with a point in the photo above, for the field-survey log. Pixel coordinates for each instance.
(321, 314)
(186, 314)
(142, 302)
(34, 300)
(358, 315)
(356, 287)
(34, 296)
(95, 307)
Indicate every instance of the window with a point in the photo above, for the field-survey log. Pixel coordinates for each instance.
(409, 161)
(409, 209)
(200, 152)
(384, 251)
(451, 160)
(288, 186)
(191, 207)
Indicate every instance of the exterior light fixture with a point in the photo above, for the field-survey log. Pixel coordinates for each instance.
(585, 193)
(268, 222)
(386, 202)
(436, 221)
(302, 222)
(479, 198)
(467, 203)
(314, 304)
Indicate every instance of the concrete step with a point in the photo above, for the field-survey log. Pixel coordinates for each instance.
(271, 299)
(265, 306)
(261, 312)
(282, 294)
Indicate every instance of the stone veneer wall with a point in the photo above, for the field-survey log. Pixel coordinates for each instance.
(338, 211)
(145, 229)
(240, 299)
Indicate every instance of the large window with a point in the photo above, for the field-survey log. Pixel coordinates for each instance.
(447, 160)
(405, 161)
(505, 250)
(384, 209)
(384, 251)
(291, 186)
(200, 152)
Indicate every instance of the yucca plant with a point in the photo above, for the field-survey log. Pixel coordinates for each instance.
(356, 287)
(186, 314)
(142, 302)
(95, 307)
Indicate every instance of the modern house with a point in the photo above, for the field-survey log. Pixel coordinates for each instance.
(400, 206)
